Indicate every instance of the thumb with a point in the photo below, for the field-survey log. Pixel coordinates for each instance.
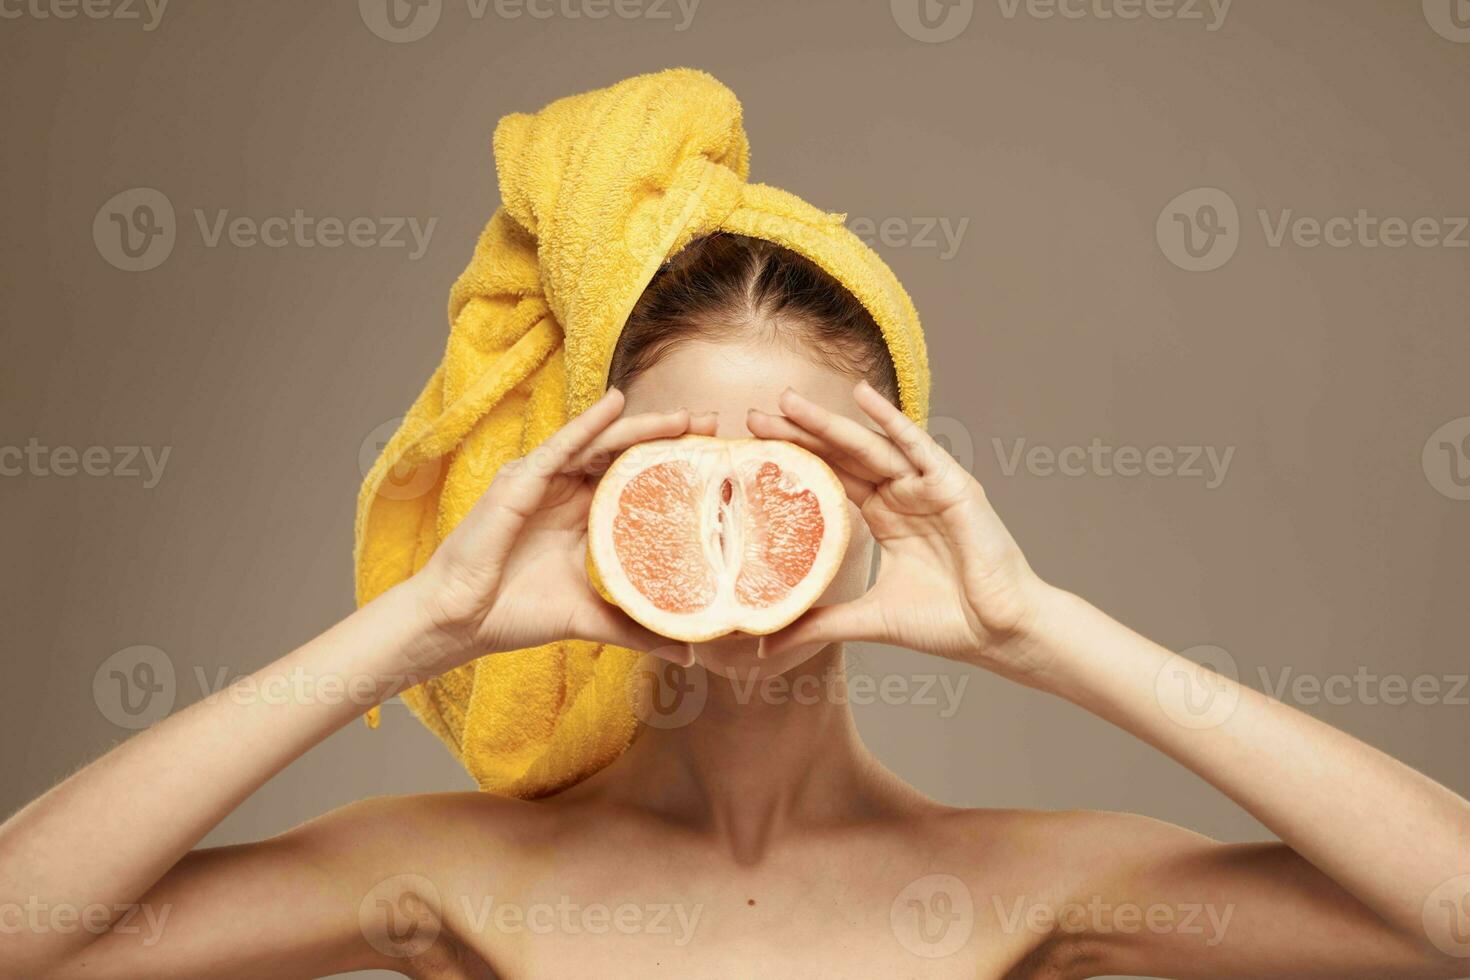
(860, 619)
(606, 623)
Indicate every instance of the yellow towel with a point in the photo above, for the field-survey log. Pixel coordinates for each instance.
(597, 191)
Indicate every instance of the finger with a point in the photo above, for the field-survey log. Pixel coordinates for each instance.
(605, 623)
(926, 455)
(767, 426)
(872, 448)
(941, 478)
(552, 456)
(520, 486)
(625, 432)
(674, 651)
(704, 424)
(858, 620)
(859, 487)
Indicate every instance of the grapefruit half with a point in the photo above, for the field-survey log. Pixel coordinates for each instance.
(697, 537)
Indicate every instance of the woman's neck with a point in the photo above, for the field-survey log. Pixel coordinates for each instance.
(748, 760)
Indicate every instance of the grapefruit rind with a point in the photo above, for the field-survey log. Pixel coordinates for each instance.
(724, 615)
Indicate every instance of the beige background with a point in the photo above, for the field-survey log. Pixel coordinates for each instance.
(1326, 551)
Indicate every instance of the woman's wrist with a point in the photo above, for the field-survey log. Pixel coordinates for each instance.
(1036, 651)
(1081, 654)
(430, 641)
(382, 648)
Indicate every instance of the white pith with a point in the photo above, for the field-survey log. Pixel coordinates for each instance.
(720, 533)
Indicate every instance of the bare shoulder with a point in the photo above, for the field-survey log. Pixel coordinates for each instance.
(420, 834)
(428, 819)
(1041, 875)
(1071, 831)
(1057, 854)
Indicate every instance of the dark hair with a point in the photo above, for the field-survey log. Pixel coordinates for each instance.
(728, 285)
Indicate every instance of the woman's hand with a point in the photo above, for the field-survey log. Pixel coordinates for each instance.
(1374, 855)
(513, 573)
(952, 581)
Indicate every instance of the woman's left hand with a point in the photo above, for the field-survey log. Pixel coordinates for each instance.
(1367, 844)
(952, 581)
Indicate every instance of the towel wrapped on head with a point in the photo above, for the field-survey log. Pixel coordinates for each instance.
(598, 190)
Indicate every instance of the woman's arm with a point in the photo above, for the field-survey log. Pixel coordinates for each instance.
(81, 858)
(1365, 883)
(1376, 847)
(105, 837)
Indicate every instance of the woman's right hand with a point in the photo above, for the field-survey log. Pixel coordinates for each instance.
(513, 573)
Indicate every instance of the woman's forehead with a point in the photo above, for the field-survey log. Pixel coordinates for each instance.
(733, 377)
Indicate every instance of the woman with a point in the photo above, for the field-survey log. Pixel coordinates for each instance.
(756, 836)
